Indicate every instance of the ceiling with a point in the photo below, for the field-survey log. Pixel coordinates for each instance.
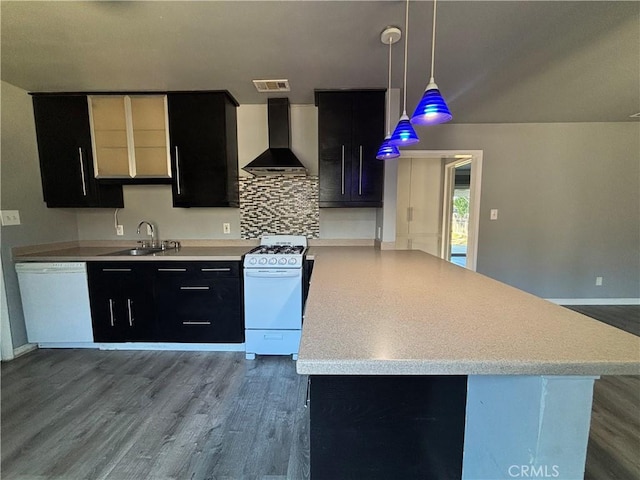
(496, 61)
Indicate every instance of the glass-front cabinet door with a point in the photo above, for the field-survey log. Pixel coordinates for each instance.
(130, 136)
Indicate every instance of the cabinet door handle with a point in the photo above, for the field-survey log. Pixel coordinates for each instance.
(193, 322)
(215, 269)
(178, 171)
(307, 397)
(116, 269)
(172, 269)
(111, 319)
(129, 302)
(409, 214)
(194, 288)
(82, 176)
(342, 169)
(360, 174)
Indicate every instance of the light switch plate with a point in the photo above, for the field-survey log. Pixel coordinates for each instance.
(226, 228)
(10, 217)
(494, 214)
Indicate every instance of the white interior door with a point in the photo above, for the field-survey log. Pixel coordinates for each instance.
(424, 190)
(425, 225)
(418, 225)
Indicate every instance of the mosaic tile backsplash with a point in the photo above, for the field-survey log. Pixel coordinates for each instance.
(279, 204)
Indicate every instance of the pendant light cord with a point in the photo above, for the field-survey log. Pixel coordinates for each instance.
(389, 93)
(433, 41)
(406, 50)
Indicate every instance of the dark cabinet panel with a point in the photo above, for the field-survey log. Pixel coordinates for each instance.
(334, 146)
(350, 130)
(66, 159)
(204, 149)
(368, 133)
(122, 304)
(199, 302)
(382, 427)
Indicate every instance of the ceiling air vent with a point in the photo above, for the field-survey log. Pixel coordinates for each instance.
(272, 85)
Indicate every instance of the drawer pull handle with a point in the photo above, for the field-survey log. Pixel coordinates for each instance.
(215, 269)
(116, 269)
(172, 269)
(273, 336)
(190, 322)
(194, 288)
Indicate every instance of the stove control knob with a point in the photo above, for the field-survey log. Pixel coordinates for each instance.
(282, 261)
(253, 261)
(263, 261)
(272, 261)
(293, 261)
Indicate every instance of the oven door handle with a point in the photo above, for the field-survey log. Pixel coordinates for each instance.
(290, 273)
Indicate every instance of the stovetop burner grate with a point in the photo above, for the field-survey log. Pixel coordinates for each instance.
(278, 250)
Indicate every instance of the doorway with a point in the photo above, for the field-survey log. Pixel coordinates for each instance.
(455, 214)
(438, 204)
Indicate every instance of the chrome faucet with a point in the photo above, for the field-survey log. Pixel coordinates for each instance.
(151, 229)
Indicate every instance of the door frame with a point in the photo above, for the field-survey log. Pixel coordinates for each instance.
(453, 157)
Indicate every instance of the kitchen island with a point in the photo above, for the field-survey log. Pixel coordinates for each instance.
(423, 369)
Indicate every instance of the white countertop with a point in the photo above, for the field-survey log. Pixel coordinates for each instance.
(372, 312)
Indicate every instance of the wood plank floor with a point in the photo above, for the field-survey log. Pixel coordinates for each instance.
(89, 414)
(624, 317)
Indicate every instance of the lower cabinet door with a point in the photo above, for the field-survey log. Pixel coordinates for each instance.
(199, 310)
(121, 300)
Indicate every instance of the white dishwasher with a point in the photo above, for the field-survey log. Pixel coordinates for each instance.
(55, 301)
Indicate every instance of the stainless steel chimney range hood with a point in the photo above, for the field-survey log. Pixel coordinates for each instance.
(278, 159)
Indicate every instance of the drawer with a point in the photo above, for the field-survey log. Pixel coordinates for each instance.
(199, 269)
(272, 342)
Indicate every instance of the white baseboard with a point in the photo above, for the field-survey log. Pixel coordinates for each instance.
(26, 348)
(184, 347)
(595, 301)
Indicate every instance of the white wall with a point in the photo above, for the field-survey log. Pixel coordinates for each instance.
(568, 196)
(153, 203)
(21, 190)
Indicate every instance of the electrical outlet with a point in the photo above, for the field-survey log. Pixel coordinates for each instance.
(149, 231)
(598, 281)
(119, 230)
(10, 217)
(226, 228)
(494, 214)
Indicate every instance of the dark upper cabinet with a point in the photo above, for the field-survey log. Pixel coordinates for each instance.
(350, 130)
(204, 149)
(66, 159)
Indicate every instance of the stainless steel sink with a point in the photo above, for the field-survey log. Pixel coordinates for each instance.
(137, 251)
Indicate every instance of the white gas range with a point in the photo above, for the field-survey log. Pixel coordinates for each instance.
(273, 296)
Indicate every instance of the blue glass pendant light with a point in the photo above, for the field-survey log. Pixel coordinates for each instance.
(432, 109)
(387, 151)
(404, 134)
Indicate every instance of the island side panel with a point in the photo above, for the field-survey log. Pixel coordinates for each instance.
(382, 427)
(527, 426)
